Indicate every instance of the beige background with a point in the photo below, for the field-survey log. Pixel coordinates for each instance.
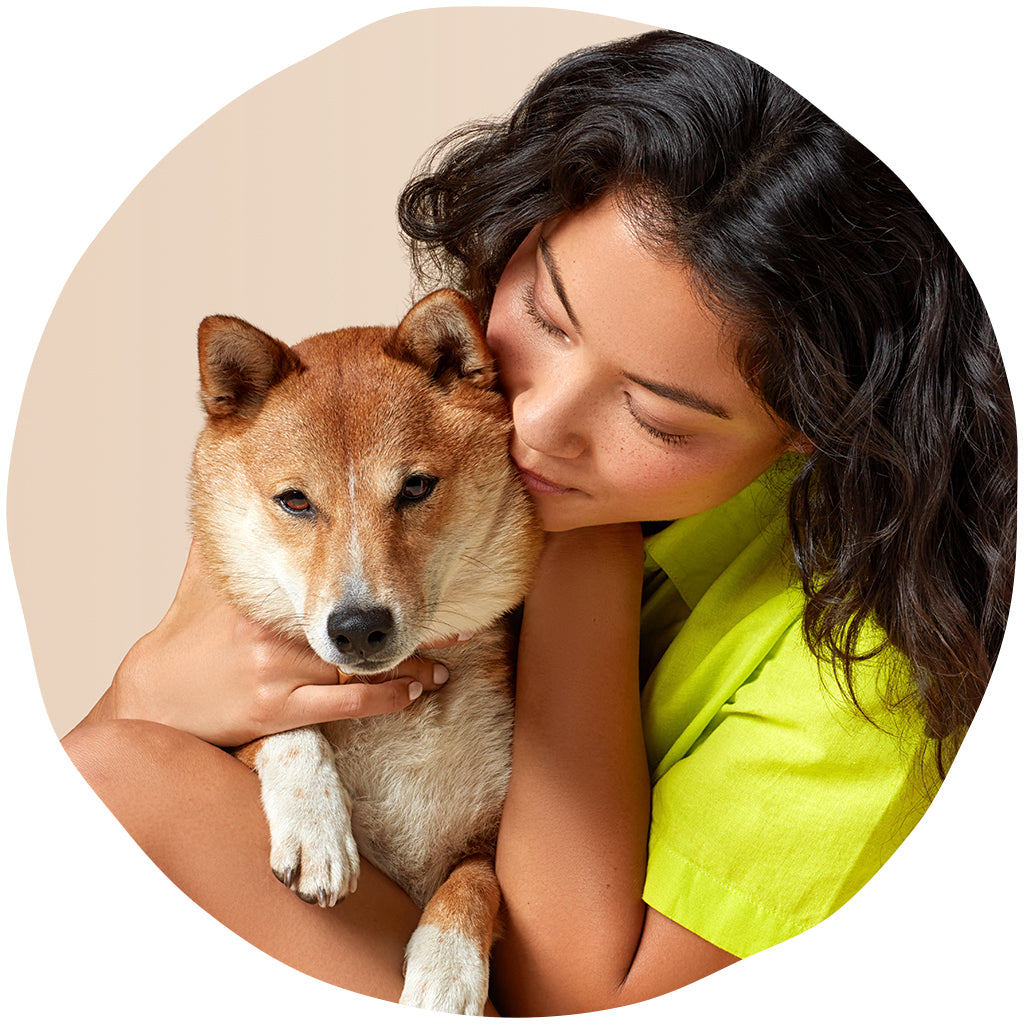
(279, 209)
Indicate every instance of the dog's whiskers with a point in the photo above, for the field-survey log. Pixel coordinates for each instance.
(478, 562)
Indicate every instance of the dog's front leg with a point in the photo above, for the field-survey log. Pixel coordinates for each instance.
(311, 846)
(447, 961)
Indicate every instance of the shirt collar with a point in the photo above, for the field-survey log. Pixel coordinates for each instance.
(694, 551)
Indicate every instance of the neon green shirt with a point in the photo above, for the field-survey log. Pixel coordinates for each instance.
(773, 799)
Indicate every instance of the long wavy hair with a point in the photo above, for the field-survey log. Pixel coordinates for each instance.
(860, 327)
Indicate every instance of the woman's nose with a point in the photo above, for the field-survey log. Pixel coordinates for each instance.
(553, 418)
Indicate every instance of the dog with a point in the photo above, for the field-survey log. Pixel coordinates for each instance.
(356, 491)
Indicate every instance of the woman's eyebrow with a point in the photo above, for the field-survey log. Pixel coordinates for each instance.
(556, 280)
(683, 396)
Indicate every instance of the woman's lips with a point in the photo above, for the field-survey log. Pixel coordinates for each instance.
(537, 484)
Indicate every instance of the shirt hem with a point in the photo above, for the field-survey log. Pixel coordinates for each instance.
(691, 896)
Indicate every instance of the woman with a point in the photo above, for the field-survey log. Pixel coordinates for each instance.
(715, 314)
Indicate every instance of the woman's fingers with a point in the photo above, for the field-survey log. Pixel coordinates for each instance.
(308, 705)
(209, 670)
(360, 696)
(430, 674)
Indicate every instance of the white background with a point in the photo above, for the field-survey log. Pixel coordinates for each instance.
(94, 95)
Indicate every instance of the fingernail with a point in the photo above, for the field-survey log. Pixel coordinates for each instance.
(441, 673)
(415, 689)
(462, 637)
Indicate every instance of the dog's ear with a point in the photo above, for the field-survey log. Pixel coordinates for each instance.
(238, 365)
(442, 334)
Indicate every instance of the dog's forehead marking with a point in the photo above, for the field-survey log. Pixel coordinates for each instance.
(355, 544)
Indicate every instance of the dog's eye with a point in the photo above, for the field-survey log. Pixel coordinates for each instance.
(295, 502)
(417, 487)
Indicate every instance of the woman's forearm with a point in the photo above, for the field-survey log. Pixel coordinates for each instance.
(573, 841)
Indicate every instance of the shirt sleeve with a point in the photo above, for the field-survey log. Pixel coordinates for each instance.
(786, 805)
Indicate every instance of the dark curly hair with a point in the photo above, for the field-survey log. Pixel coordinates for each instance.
(860, 327)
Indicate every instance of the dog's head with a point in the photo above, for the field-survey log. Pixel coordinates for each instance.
(356, 489)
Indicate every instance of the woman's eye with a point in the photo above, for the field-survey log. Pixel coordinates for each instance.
(661, 435)
(295, 502)
(536, 316)
(417, 487)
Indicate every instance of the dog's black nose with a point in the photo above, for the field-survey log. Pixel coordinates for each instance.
(359, 631)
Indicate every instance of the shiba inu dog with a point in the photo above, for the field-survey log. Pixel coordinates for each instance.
(356, 491)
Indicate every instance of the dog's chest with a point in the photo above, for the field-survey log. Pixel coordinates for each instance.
(427, 783)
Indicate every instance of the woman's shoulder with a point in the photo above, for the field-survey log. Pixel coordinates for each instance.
(724, 636)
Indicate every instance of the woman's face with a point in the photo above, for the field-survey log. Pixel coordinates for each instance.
(626, 398)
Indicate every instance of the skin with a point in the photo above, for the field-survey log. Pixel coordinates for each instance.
(625, 394)
(627, 406)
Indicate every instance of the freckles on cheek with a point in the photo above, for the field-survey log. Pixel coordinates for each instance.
(672, 485)
(640, 473)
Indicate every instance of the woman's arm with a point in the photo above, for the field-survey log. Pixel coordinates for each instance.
(209, 671)
(572, 849)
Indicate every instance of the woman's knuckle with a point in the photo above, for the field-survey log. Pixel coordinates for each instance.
(350, 700)
(264, 704)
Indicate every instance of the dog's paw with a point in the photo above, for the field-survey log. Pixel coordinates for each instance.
(445, 971)
(315, 855)
(312, 850)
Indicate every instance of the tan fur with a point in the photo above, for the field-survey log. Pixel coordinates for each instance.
(447, 956)
(356, 491)
(247, 753)
(468, 901)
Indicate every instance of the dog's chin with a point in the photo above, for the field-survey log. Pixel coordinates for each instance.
(372, 671)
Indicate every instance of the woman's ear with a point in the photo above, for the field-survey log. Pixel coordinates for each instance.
(800, 444)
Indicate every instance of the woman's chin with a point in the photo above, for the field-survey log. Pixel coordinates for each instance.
(559, 513)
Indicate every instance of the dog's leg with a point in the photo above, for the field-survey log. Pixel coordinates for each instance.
(311, 846)
(447, 961)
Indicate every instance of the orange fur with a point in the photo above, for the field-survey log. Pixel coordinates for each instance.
(247, 753)
(468, 901)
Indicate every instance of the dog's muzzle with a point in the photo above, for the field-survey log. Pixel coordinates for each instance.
(360, 632)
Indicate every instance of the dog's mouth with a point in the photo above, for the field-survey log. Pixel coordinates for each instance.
(371, 671)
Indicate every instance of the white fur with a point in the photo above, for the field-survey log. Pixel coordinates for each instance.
(265, 585)
(444, 971)
(355, 543)
(311, 844)
(426, 780)
(290, 582)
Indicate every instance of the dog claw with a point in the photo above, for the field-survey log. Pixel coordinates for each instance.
(285, 877)
(322, 896)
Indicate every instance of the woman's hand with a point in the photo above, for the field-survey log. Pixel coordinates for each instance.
(209, 671)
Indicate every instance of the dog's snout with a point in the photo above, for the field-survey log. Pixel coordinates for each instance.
(360, 631)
